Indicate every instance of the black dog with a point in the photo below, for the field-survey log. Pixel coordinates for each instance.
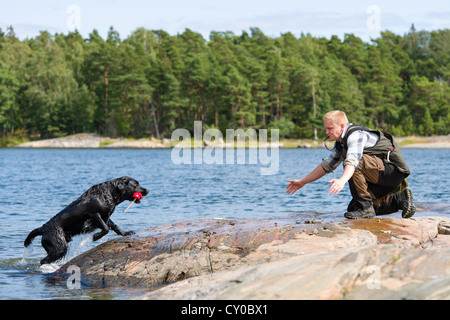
(90, 211)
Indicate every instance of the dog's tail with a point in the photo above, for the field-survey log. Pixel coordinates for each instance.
(32, 235)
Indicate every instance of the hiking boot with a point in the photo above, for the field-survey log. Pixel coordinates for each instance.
(407, 205)
(361, 213)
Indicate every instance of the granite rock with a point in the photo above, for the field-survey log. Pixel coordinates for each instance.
(279, 258)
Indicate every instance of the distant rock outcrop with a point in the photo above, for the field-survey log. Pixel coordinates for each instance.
(92, 140)
(82, 140)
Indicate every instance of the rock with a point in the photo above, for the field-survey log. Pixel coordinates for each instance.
(444, 228)
(82, 140)
(305, 146)
(169, 253)
(405, 263)
(280, 258)
(91, 140)
(373, 272)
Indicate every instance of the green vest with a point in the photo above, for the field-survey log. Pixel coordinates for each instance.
(386, 148)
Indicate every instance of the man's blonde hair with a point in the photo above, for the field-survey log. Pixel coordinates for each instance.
(338, 117)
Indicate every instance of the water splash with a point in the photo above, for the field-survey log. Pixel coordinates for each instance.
(84, 243)
(26, 255)
(50, 268)
(76, 247)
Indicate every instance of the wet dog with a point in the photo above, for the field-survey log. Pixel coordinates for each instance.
(90, 211)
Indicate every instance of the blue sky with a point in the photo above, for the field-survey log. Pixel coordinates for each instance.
(364, 18)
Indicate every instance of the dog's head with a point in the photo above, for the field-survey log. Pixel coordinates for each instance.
(127, 186)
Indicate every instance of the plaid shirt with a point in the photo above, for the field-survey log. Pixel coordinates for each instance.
(357, 141)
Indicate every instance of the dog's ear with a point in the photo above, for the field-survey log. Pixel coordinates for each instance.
(122, 184)
(125, 179)
(121, 189)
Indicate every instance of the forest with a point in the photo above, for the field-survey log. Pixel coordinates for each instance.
(152, 83)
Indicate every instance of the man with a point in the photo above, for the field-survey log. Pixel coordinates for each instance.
(373, 166)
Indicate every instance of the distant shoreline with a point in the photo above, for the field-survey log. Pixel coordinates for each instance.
(94, 141)
(435, 142)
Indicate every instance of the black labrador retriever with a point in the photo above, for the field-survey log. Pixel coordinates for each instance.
(90, 211)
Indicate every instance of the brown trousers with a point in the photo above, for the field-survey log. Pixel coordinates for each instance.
(373, 182)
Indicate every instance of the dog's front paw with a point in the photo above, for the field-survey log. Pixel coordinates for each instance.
(98, 235)
(129, 233)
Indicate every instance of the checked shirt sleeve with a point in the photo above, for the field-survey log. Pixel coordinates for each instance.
(332, 162)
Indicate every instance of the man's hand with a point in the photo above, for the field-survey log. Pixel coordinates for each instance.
(337, 186)
(294, 185)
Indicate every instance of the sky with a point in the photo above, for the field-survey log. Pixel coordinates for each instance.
(320, 18)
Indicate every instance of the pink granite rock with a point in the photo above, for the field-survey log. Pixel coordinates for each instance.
(280, 258)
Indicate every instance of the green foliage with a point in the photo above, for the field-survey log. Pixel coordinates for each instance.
(284, 125)
(152, 83)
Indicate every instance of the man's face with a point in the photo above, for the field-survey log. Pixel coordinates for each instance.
(332, 130)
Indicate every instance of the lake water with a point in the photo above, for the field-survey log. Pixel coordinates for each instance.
(35, 184)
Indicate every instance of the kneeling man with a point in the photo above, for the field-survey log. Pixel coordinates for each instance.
(373, 166)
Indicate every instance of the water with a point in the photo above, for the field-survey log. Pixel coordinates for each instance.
(35, 184)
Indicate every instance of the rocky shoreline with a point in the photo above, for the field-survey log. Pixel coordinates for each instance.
(278, 258)
(91, 140)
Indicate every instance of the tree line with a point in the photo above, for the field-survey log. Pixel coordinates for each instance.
(152, 82)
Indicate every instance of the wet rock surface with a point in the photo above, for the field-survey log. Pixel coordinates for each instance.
(174, 252)
(279, 258)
